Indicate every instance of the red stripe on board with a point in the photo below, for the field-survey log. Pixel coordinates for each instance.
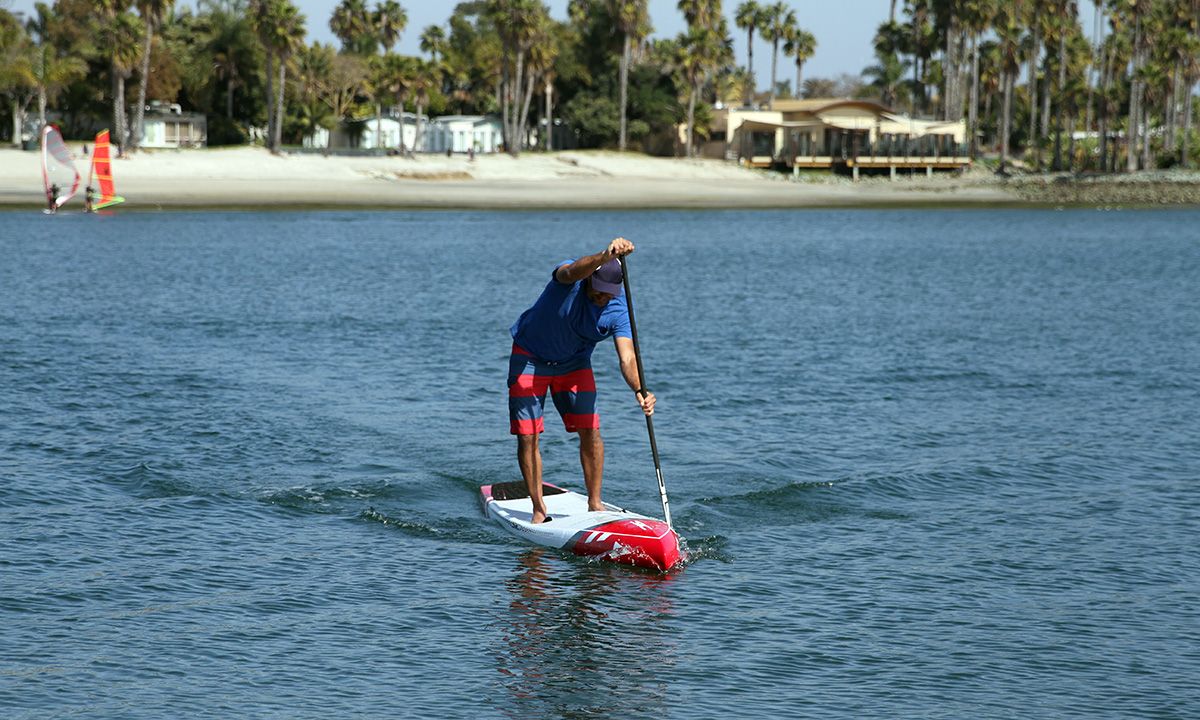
(526, 427)
(518, 350)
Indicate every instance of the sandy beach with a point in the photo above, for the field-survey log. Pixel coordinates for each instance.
(252, 177)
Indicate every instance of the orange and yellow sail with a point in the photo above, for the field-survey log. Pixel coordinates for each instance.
(105, 194)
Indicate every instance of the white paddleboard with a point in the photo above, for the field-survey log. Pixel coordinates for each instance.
(612, 534)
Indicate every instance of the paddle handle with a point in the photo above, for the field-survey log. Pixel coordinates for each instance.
(637, 356)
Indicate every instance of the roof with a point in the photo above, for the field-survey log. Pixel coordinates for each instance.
(816, 105)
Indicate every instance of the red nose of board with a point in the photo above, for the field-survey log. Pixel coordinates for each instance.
(644, 543)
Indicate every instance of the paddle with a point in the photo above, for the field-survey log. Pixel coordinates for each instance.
(637, 354)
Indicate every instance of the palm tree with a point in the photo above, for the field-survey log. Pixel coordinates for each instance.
(1008, 30)
(152, 13)
(226, 36)
(800, 45)
(700, 52)
(778, 18)
(280, 27)
(390, 20)
(121, 35)
(517, 23)
(17, 80)
(351, 23)
(749, 18)
(433, 41)
(977, 16)
(887, 75)
(631, 16)
(1139, 8)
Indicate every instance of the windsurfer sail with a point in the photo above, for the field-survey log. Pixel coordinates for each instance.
(105, 195)
(59, 175)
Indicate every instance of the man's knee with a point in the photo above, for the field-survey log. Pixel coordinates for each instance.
(590, 437)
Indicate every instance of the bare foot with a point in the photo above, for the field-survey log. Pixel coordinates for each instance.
(539, 517)
(596, 508)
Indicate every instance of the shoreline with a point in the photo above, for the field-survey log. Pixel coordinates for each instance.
(253, 179)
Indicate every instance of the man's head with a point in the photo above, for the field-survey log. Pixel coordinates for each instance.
(605, 283)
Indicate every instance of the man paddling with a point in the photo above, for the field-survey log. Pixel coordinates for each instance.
(553, 341)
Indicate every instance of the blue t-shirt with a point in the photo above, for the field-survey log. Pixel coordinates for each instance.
(565, 325)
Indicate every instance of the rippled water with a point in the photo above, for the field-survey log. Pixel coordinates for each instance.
(929, 464)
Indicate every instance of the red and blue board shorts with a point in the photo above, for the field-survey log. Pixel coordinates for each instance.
(571, 385)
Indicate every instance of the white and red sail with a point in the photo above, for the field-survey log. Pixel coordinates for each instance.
(59, 175)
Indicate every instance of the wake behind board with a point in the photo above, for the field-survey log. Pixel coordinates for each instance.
(614, 534)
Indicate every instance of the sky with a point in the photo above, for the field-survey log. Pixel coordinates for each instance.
(843, 29)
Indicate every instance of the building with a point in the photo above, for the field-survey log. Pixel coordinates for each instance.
(461, 133)
(843, 134)
(382, 133)
(167, 126)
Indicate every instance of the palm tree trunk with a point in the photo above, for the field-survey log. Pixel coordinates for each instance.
(139, 112)
(16, 123)
(515, 91)
(949, 77)
(1006, 120)
(1034, 56)
(229, 100)
(1135, 110)
(1102, 112)
(530, 84)
(1071, 143)
(118, 101)
(1147, 154)
(973, 114)
(277, 142)
(549, 114)
(1187, 123)
(403, 147)
(691, 125)
(41, 107)
(799, 70)
(750, 70)
(624, 92)
(1172, 104)
(378, 125)
(417, 132)
(1062, 81)
(270, 99)
(774, 62)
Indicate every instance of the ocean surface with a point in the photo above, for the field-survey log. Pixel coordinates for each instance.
(928, 464)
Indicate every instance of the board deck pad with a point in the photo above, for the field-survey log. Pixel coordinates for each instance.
(613, 534)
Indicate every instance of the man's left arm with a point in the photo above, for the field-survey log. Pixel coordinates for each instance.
(629, 370)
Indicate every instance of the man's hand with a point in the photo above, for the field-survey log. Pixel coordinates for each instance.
(619, 247)
(646, 400)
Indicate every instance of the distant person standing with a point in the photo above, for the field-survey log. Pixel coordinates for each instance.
(553, 341)
(52, 198)
(89, 198)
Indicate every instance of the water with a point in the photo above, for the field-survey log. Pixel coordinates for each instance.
(929, 464)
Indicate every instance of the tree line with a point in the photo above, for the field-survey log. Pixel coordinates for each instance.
(1027, 77)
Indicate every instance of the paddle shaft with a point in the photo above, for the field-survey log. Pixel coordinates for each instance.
(637, 355)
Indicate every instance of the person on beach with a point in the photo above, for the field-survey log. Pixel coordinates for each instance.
(52, 198)
(552, 350)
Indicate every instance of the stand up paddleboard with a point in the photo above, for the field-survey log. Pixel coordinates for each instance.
(614, 534)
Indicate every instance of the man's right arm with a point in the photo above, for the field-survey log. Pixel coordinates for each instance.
(585, 266)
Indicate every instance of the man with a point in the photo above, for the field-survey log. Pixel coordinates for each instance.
(52, 198)
(552, 349)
